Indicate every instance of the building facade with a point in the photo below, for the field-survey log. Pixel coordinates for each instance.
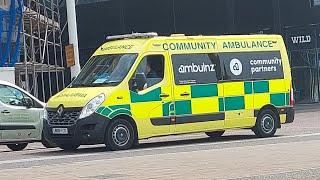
(296, 20)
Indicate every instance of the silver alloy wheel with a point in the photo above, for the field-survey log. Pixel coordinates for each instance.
(120, 135)
(267, 123)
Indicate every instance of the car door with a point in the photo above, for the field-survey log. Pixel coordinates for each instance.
(197, 94)
(19, 121)
(151, 103)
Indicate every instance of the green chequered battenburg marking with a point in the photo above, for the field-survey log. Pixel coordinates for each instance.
(261, 87)
(106, 111)
(248, 87)
(122, 106)
(183, 107)
(206, 90)
(165, 109)
(113, 111)
(234, 103)
(287, 99)
(150, 96)
(100, 109)
(278, 99)
(221, 104)
(118, 112)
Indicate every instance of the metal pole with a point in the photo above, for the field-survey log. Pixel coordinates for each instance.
(73, 35)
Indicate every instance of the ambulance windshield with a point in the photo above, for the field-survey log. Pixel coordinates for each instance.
(104, 70)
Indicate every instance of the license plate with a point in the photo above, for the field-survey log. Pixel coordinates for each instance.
(60, 130)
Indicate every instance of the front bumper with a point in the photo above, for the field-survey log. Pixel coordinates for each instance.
(87, 131)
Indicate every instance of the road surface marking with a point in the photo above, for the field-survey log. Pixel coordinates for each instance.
(151, 149)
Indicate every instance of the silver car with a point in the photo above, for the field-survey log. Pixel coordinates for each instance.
(21, 118)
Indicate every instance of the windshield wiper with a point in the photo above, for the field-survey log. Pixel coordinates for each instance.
(105, 83)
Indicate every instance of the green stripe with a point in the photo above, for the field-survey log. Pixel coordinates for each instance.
(206, 90)
(153, 95)
(261, 87)
(183, 107)
(248, 87)
(221, 104)
(278, 99)
(234, 103)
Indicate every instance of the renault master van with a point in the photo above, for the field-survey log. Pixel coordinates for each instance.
(142, 85)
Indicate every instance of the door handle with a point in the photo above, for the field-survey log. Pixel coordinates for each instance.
(5, 112)
(185, 94)
(163, 95)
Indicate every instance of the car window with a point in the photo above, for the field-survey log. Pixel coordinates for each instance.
(152, 68)
(12, 96)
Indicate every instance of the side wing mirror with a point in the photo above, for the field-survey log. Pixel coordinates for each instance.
(28, 102)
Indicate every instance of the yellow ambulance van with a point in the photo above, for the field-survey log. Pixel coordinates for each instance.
(143, 85)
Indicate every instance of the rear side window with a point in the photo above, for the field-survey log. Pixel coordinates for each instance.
(252, 65)
(196, 68)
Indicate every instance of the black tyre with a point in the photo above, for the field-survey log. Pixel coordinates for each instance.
(120, 135)
(266, 124)
(17, 147)
(68, 147)
(215, 134)
(46, 143)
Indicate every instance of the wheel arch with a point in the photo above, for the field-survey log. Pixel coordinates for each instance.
(272, 108)
(131, 121)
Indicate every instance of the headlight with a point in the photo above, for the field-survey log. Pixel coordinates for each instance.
(92, 106)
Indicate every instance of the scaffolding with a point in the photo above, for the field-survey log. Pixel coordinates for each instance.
(41, 67)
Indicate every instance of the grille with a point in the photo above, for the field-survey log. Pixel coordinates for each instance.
(68, 118)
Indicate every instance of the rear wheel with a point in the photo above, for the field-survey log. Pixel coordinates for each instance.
(266, 124)
(120, 135)
(215, 134)
(17, 147)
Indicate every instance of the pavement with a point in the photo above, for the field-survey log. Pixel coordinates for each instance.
(292, 154)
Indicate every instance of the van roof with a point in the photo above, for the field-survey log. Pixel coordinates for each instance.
(135, 42)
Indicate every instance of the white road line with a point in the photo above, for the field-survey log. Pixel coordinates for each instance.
(151, 149)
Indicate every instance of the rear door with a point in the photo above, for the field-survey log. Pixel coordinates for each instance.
(197, 93)
(18, 122)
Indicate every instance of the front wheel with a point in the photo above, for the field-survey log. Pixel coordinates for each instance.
(266, 124)
(120, 135)
(17, 147)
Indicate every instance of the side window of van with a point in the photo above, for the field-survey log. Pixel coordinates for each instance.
(149, 72)
(252, 65)
(11, 96)
(196, 68)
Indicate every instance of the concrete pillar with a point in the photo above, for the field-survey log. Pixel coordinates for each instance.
(73, 35)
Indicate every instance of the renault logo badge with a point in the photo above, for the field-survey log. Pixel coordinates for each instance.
(60, 110)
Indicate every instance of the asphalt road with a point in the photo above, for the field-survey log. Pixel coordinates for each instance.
(294, 153)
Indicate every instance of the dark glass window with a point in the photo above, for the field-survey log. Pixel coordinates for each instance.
(196, 68)
(252, 65)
